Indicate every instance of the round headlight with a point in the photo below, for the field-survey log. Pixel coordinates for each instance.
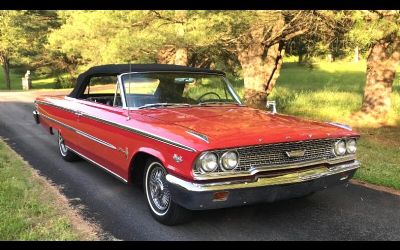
(340, 148)
(351, 146)
(208, 162)
(229, 160)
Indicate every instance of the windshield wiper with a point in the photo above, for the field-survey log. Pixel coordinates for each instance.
(219, 103)
(164, 104)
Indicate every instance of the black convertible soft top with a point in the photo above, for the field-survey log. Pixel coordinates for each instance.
(117, 69)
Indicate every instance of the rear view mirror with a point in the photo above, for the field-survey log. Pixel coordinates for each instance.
(273, 105)
(184, 80)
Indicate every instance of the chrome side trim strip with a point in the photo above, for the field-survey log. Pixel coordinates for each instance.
(99, 165)
(142, 133)
(58, 122)
(130, 129)
(95, 139)
(300, 176)
(55, 106)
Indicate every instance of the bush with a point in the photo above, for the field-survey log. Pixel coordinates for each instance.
(64, 82)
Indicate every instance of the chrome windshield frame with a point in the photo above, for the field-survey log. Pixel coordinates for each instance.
(123, 92)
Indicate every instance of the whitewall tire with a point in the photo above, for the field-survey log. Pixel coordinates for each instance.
(158, 197)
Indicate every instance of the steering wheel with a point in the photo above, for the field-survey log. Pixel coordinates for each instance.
(208, 93)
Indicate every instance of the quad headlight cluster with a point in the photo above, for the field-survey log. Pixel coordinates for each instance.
(210, 162)
(343, 147)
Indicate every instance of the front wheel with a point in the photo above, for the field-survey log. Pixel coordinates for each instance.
(162, 207)
(65, 152)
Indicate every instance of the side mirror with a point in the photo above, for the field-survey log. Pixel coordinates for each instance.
(273, 105)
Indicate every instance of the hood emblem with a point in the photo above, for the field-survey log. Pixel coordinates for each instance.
(295, 153)
(198, 135)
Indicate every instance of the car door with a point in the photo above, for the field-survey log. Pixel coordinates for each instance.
(101, 141)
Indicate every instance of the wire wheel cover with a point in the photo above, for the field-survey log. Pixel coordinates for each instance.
(158, 189)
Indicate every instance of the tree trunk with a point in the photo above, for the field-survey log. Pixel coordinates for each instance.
(169, 54)
(5, 63)
(181, 56)
(259, 74)
(356, 55)
(382, 63)
(166, 55)
(300, 61)
(260, 64)
(176, 54)
(274, 66)
(329, 58)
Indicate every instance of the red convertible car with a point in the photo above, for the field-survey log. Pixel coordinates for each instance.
(185, 135)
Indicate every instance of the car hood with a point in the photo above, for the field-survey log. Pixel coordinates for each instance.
(234, 126)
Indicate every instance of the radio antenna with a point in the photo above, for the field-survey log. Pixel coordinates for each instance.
(127, 108)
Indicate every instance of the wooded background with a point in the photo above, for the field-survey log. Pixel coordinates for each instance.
(246, 44)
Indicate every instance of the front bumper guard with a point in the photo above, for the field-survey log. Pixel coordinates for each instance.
(36, 116)
(199, 196)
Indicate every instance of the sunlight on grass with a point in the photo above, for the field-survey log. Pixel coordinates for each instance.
(379, 153)
(44, 83)
(28, 209)
(16, 82)
(328, 91)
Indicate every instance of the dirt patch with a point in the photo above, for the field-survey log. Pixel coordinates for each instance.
(376, 187)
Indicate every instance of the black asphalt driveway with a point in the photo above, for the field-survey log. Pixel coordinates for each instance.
(346, 212)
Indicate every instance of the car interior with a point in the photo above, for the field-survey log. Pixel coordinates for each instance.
(169, 90)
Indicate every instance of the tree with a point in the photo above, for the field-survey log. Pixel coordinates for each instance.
(11, 39)
(257, 39)
(188, 37)
(380, 30)
(21, 36)
(329, 40)
(98, 37)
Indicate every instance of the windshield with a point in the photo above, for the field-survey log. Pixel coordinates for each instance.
(146, 90)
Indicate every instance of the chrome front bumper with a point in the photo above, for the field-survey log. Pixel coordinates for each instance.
(36, 116)
(199, 196)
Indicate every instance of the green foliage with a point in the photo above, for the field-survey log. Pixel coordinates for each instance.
(22, 36)
(23, 33)
(64, 82)
(370, 26)
(12, 32)
(101, 37)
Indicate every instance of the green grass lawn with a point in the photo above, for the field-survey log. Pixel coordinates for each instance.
(29, 209)
(379, 154)
(16, 82)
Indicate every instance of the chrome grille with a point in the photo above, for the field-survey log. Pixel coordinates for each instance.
(275, 154)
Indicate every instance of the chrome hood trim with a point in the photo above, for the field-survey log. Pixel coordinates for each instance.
(340, 125)
(198, 135)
